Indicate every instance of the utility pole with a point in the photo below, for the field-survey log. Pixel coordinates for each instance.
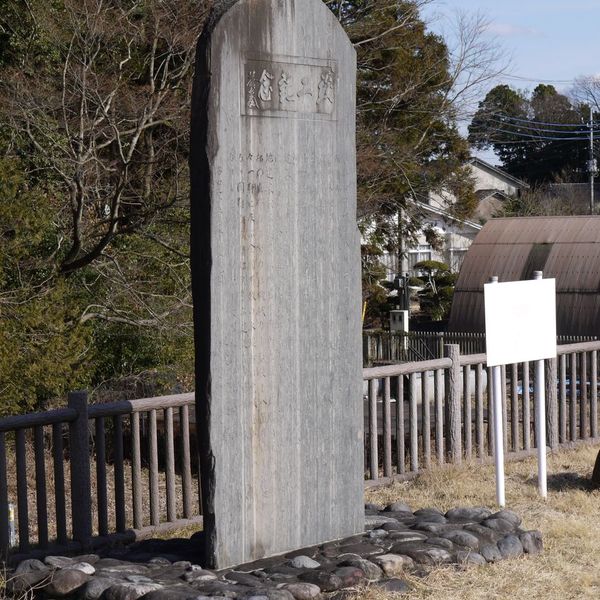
(592, 161)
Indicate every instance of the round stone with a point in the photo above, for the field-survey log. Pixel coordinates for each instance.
(304, 562)
(468, 514)
(508, 515)
(328, 582)
(95, 587)
(532, 542)
(29, 565)
(130, 591)
(465, 557)
(463, 538)
(491, 553)
(58, 562)
(303, 591)
(371, 570)
(349, 575)
(498, 524)
(378, 533)
(441, 542)
(84, 567)
(510, 546)
(394, 564)
(65, 582)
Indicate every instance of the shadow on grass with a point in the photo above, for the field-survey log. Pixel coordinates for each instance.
(562, 482)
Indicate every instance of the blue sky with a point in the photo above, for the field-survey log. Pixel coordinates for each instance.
(547, 39)
(552, 40)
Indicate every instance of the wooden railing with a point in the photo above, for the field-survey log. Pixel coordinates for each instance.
(89, 473)
(438, 410)
(101, 471)
(385, 347)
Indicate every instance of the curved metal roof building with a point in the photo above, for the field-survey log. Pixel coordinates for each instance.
(567, 248)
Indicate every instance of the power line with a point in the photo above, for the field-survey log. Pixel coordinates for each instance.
(535, 137)
(536, 80)
(498, 114)
(532, 127)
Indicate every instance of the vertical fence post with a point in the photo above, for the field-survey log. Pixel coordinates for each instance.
(452, 351)
(552, 401)
(79, 442)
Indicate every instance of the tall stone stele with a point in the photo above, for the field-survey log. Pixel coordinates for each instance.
(276, 280)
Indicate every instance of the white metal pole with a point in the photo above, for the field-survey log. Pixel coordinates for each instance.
(540, 419)
(498, 430)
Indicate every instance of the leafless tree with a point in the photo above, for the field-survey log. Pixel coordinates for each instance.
(108, 128)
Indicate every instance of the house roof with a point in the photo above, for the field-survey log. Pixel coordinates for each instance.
(447, 215)
(566, 248)
(486, 166)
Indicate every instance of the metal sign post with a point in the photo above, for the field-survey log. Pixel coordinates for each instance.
(498, 430)
(540, 419)
(520, 323)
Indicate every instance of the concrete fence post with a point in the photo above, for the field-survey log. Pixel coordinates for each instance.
(453, 408)
(79, 446)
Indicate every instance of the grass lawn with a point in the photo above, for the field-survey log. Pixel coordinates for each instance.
(569, 521)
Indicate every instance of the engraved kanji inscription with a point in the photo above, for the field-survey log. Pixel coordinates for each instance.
(305, 88)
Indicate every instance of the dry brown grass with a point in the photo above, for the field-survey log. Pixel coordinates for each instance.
(569, 521)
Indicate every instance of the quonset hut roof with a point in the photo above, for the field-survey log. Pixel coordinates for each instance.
(566, 248)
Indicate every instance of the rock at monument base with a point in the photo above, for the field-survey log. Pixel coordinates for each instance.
(596, 473)
(65, 582)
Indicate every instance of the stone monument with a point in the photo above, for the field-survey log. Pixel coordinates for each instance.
(276, 280)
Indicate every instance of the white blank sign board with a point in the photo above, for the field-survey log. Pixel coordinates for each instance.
(520, 321)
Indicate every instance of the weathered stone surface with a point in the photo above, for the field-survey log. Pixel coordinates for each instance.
(58, 562)
(510, 546)
(328, 582)
(499, 524)
(491, 553)
(65, 582)
(304, 562)
(198, 575)
(303, 591)
(468, 514)
(130, 591)
(441, 542)
(379, 521)
(508, 515)
(371, 570)
(532, 542)
(20, 584)
(84, 567)
(466, 557)
(429, 555)
(463, 538)
(407, 536)
(31, 564)
(95, 587)
(596, 473)
(394, 564)
(349, 575)
(276, 280)
(269, 595)
(275, 578)
(245, 579)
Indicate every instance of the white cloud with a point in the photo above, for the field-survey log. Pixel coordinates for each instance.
(511, 30)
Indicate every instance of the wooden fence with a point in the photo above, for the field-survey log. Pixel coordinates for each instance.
(88, 473)
(385, 347)
(437, 411)
(80, 454)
